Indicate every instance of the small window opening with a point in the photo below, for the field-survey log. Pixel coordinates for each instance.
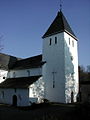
(3, 77)
(72, 43)
(14, 74)
(50, 41)
(53, 84)
(72, 58)
(28, 71)
(72, 97)
(69, 41)
(55, 40)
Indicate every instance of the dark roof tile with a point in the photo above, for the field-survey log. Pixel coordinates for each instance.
(22, 82)
(7, 61)
(31, 62)
(60, 24)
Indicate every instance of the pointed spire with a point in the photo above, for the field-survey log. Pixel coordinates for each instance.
(59, 25)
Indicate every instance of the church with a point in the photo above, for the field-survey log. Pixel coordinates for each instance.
(53, 75)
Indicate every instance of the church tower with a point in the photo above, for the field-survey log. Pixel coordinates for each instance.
(60, 72)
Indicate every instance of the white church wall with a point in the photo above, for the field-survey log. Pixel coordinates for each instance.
(24, 72)
(36, 91)
(6, 96)
(3, 75)
(53, 71)
(71, 67)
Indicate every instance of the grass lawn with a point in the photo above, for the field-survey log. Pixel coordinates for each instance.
(46, 112)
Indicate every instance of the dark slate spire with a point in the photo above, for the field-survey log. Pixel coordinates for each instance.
(60, 24)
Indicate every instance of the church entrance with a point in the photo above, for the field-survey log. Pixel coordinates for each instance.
(14, 100)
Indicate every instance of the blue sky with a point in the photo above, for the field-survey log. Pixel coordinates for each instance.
(23, 23)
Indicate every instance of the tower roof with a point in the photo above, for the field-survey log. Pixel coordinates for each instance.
(59, 24)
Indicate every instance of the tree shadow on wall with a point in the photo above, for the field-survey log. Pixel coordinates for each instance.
(69, 75)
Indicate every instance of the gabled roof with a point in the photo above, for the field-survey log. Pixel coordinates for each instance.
(32, 62)
(7, 61)
(22, 82)
(60, 24)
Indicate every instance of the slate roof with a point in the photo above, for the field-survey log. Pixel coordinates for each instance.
(22, 82)
(7, 61)
(59, 24)
(32, 62)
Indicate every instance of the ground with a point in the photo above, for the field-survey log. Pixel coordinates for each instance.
(46, 112)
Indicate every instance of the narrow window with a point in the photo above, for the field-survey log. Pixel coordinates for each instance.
(53, 75)
(53, 84)
(72, 58)
(55, 40)
(69, 41)
(72, 43)
(50, 41)
(14, 75)
(28, 71)
(72, 97)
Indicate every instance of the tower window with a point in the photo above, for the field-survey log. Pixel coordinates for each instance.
(69, 41)
(72, 43)
(71, 57)
(53, 84)
(55, 40)
(50, 41)
(53, 73)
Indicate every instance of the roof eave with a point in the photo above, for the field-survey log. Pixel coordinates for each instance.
(44, 36)
(61, 32)
(71, 35)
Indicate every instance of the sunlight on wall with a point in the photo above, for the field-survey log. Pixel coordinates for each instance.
(37, 90)
(3, 75)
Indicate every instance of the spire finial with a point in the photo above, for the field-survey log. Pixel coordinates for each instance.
(60, 5)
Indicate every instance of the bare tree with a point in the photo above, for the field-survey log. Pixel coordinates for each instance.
(84, 75)
(1, 46)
